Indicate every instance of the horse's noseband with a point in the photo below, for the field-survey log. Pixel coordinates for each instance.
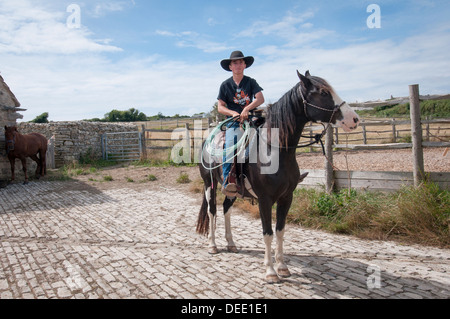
(333, 111)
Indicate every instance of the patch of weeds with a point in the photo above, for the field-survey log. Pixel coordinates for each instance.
(183, 179)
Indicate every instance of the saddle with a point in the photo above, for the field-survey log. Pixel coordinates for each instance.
(238, 172)
(238, 177)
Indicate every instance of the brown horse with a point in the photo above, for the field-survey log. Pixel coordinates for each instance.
(23, 146)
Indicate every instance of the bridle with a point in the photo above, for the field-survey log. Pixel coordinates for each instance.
(305, 103)
(10, 148)
(317, 137)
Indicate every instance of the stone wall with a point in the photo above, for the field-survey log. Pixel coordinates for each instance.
(7, 118)
(75, 139)
(9, 106)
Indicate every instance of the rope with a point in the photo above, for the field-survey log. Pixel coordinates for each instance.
(239, 146)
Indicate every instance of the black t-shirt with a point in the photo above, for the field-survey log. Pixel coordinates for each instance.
(237, 98)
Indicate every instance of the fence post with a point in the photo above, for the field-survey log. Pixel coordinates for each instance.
(416, 133)
(364, 132)
(336, 135)
(329, 170)
(394, 133)
(188, 142)
(144, 143)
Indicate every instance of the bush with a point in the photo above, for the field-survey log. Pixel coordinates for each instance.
(435, 109)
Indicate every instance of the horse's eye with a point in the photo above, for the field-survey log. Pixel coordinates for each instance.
(324, 93)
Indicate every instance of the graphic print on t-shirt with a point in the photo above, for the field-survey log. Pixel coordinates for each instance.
(241, 98)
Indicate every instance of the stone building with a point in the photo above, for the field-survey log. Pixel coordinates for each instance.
(9, 106)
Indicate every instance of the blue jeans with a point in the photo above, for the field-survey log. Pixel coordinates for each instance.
(232, 136)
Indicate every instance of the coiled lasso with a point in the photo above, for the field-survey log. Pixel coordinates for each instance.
(237, 149)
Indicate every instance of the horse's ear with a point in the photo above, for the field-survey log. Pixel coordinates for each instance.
(307, 74)
(301, 77)
(304, 79)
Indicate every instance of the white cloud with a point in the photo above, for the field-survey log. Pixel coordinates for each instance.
(359, 70)
(87, 87)
(288, 26)
(362, 71)
(27, 29)
(51, 68)
(101, 9)
(191, 39)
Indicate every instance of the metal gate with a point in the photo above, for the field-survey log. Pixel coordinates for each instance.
(122, 147)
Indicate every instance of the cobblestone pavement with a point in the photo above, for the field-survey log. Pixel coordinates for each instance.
(71, 240)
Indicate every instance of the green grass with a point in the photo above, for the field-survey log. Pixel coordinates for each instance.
(183, 179)
(79, 168)
(160, 163)
(413, 215)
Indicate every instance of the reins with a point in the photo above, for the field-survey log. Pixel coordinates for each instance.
(248, 124)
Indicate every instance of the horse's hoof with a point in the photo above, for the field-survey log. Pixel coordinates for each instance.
(232, 249)
(284, 273)
(272, 279)
(213, 251)
(25, 183)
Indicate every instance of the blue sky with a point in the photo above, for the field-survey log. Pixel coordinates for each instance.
(163, 56)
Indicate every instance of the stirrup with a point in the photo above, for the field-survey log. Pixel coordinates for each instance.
(230, 190)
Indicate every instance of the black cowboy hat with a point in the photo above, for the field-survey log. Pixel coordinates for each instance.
(237, 55)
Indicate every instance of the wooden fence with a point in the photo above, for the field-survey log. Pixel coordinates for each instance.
(371, 134)
(387, 181)
(166, 138)
(388, 134)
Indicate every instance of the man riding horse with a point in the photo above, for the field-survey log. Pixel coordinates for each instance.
(238, 96)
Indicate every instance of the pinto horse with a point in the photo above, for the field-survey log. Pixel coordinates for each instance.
(23, 146)
(312, 99)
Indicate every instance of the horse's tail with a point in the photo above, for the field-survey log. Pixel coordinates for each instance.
(203, 218)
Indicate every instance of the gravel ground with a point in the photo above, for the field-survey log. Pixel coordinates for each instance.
(435, 160)
(399, 160)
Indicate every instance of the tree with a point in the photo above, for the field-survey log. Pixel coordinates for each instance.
(43, 118)
(132, 115)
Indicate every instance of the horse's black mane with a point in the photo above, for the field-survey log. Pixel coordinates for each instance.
(282, 114)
